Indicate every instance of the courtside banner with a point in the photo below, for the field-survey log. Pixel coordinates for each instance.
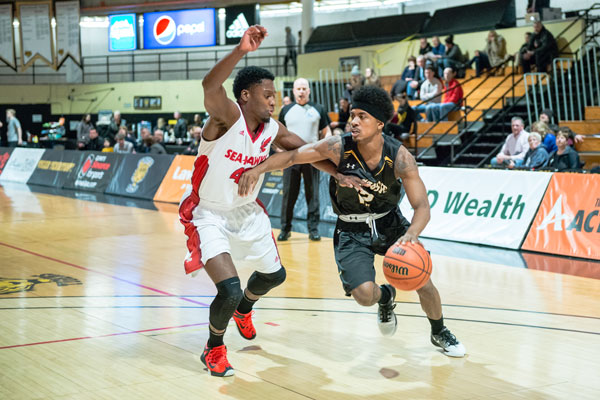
(568, 220)
(139, 175)
(21, 164)
(94, 172)
(177, 180)
(491, 207)
(54, 167)
(5, 153)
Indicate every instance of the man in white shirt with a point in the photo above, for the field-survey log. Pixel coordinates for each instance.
(515, 146)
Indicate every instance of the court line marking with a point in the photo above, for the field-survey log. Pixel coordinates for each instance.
(101, 273)
(102, 336)
(295, 298)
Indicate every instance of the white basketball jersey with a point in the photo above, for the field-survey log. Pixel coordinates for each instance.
(237, 150)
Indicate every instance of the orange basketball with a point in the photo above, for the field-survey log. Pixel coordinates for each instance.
(407, 267)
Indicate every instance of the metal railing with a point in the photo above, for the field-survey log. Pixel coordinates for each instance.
(537, 90)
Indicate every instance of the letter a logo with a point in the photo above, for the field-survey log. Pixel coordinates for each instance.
(555, 216)
(238, 27)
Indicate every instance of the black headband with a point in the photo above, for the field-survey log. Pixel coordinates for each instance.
(371, 109)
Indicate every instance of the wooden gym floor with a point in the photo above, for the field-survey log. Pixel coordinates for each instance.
(95, 305)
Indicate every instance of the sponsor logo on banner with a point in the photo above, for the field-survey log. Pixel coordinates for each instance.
(3, 159)
(568, 220)
(92, 170)
(183, 28)
(480, 206)
(57, 166)
(177, 180)
(139, 174)
(20, 164)
(238, 27)
(164, 30)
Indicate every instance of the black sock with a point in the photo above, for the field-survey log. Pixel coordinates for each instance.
(246, 304)
(386, 295)
(437, 325)
(215, 339)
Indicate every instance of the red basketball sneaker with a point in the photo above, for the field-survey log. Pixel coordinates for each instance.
(245, 325)
(215, 359)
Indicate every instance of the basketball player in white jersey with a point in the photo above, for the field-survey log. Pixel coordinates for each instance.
(220, 225)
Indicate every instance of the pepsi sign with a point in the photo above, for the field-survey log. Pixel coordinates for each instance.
(122, 33)
(185, 28)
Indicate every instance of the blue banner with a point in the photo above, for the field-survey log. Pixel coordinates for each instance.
(122, 33)
(185, 28)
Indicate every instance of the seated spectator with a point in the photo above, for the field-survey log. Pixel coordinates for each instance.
(157, 140)
(419, 77)
(122, 145)
(542, 49)
(343, 117)
(107, 146)
(424, 47)
(437, 51)
(573, 138)
(515, 146)
(83, 130)
(493, 55)
(96, 143)
(371, 78)
(356, 80)
(452, 100)
(548, 138)
(430, 91)
(141, 147)
(408, 75)
(287, 101)
(192, 149)
(565, 158)
(453, 58)
(523, 48)
(537, 156)
(546, 117)
(404, 121)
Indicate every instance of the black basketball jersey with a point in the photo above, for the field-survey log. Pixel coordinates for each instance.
(385, 191)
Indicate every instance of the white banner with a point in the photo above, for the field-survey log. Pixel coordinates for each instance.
(67, 31)
(36, 37)
(21, 164)
(492, 207)
(7, 44)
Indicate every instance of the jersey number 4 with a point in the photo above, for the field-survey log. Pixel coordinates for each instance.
(237, 174)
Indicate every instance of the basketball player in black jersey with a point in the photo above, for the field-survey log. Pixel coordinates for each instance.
(369, 220)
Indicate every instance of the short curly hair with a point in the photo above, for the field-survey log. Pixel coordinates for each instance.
(377, 97)
(248, 77)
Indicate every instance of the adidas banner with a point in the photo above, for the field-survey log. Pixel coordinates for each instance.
(237, 20)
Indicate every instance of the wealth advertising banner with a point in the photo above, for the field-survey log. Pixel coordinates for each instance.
(480, 206)
(568, 220)
(94, 172)
(177, 180)
(20, 164)
(5, 153)
(139, 175)
(54, 167)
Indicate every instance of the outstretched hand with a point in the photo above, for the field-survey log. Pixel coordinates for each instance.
(352, 182)
(252, 38)
(247, 182)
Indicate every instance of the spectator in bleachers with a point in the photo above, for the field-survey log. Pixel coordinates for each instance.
(197, 120)
(371, 78)
(115, 123)
(424, 47)
(291, 51)
(404, 121)
(541, 50)
(536, 156)
(338, 127)
(96, 143)
(493, 55)
(356, 81)
(520, 55)
(14, 132)
(156, 147)
(415, 84)
(452, 98)
(160, 124)
(409, 74)
(142, 146)
(430, 90)
(122, 145)
(437, 51)
(565, 158)
(515, 146)
(453, 58)
(548, 138)
(546, 117)
(192, 149)
(83, 130)
(287, 100)
(107, 146)
(180, 129)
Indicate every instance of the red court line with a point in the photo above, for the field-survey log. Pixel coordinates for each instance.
(102, 273)
(101, 336)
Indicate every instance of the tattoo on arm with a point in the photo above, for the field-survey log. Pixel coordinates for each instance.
(404, 163)
(333, 149)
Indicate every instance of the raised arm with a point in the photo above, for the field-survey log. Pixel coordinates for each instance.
(217, 104)
(406, 169)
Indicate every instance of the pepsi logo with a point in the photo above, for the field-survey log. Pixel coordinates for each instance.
(164, 30)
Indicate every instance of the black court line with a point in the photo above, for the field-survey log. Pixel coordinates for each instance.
(317, 310)
(300, 298)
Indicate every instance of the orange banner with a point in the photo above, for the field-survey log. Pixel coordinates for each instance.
(568, 220)
(177, 180)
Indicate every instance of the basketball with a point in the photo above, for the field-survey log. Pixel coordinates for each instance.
(407, 266)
